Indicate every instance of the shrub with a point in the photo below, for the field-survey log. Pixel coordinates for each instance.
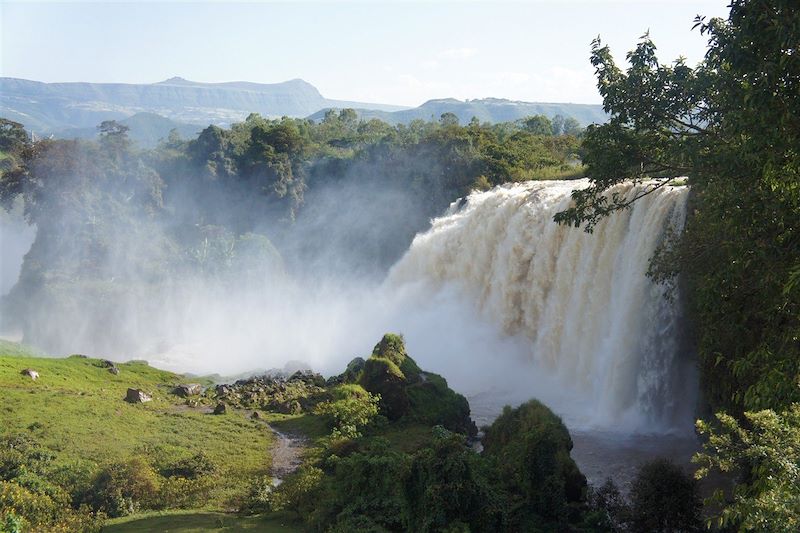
(664, 499)
(364, 485)
(297, 492)
(24, 510)
(125, 487)
(530, 448)
(191, 467)
(449, 484)
(259, 498)
(181, 492)
(353, 409)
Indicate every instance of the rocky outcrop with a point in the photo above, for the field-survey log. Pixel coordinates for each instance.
(298, 393)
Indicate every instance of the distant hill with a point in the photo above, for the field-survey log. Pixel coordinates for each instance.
(486, 110)
(146, 129)
(51, 107)
(74, 108)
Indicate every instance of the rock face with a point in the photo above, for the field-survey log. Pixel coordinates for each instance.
(137, 396)
(185, 390)
(220, 409)
(31, 373)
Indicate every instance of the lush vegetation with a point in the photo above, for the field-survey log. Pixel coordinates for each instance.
(731, 125)
(73, 450)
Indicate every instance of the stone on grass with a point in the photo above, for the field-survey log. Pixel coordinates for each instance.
(114, 370)
(188, 389)
(137, 396)
(220, 409)
(31, 373)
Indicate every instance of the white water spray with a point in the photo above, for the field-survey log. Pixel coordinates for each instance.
(594, 322)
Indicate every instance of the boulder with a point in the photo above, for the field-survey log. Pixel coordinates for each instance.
(220, 409)
(222, 390)
(114, 370)
(31, 373)
(137, 396)
(105, 363)
(188, 389)
(256, 415)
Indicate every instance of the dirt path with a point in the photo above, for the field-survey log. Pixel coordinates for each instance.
(287, 454)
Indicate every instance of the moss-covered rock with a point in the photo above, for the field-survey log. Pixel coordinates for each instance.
(434, 403)
(382, 376)
(408, 391)
(391, 347)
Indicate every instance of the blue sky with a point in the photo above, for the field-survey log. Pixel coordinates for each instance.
(392, 52)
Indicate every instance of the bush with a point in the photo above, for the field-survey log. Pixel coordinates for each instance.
(181, 492)
(608, 510)
(353, 409)
(124, 488)
(24, 510)
(259, 498)
(191, 467)
(530, 448)
(449, 484)
(664, 499)
(365, 487)
(297, 492)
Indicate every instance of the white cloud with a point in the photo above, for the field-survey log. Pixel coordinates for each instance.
(457, 53)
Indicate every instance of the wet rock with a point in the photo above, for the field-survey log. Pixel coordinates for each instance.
(31, 373)
(137, 396)
(188, 389)
(220, 409)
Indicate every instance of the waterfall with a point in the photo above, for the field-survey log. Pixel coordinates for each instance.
(591, 318)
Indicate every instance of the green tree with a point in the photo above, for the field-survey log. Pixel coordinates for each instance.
(538, 125)
(765, 453)
(731, 125)
(664, 499)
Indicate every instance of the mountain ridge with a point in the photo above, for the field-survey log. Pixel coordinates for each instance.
(51, 108)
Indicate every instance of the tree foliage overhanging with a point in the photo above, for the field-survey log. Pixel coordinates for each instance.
(732, 126)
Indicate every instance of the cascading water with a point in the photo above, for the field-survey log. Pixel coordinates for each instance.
(593, 320)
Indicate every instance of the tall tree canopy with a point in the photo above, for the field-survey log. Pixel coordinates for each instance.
(732, 125)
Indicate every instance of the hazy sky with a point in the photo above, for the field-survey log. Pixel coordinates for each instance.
(392, 52)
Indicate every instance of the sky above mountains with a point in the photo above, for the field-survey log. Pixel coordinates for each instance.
(390, 52)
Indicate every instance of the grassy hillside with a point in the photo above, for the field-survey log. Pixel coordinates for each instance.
(76, 410)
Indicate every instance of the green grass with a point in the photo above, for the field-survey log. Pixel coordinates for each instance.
(76, 409)
(191, 522)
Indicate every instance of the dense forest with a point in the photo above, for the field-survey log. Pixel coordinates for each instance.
(265, 198)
